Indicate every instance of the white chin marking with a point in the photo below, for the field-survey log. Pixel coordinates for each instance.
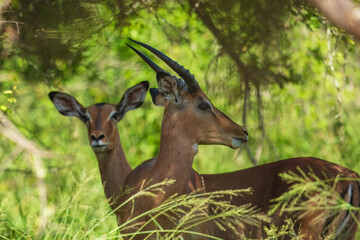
(195, 148)
(99, 148)
(236, 143)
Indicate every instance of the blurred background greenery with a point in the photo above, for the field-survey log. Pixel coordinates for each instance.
(277, 67)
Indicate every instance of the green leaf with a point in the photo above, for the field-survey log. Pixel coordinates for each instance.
(8, 92)
(3, 108)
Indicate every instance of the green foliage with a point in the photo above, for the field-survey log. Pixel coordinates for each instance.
(308, 80)
(284, 232)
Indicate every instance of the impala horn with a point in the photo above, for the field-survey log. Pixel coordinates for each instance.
(184, 73)
(153, 65)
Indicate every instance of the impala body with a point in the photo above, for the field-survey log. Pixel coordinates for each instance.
(267, 185)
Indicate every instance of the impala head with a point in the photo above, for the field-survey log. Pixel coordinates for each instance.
(101, 119)
(188, 107)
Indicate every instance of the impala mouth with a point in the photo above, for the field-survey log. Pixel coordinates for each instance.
(99, 147)
(237, 142)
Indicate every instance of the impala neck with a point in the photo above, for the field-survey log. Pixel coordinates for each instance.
(176, 155)
(114, 168)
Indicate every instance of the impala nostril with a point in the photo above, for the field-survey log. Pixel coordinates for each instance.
(102, 136)
(92, 137)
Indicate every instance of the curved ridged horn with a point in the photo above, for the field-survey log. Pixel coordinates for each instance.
(153, 65)
(184, 73)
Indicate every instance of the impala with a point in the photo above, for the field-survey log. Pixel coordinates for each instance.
(190, 119)
(101, 122)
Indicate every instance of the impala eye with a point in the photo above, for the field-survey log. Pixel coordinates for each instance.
(115, 116)
(204, 106)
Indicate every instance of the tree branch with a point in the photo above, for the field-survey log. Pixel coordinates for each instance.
(12, 133)
(227, 47)
(343, 13)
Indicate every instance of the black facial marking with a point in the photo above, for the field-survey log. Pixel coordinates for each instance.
(98, 119)
(84, 118)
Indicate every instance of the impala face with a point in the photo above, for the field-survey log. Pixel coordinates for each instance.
(197, 116)
(101, 122)
(101, 119)
(187, 105)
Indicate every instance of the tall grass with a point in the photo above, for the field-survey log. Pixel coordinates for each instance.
(75, 218)
(80, 211)
(310, 195)
(188, 213)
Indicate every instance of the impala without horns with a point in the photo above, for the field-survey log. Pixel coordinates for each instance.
(101, 122)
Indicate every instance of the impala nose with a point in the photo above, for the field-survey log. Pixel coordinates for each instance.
(238, 141)
(244, 138)
(93, 137)
(98, 141)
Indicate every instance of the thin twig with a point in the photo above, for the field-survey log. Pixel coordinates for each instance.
(40, 173)
(261, 124)
(213, 60)
(246, 99)
(339, 115)
(264, 135)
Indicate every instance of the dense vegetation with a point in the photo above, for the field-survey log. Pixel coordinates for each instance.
(282, 71)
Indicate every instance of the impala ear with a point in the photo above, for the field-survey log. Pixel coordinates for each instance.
(168, 87)
(133, 97)
(157, 98)
(67, 105)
